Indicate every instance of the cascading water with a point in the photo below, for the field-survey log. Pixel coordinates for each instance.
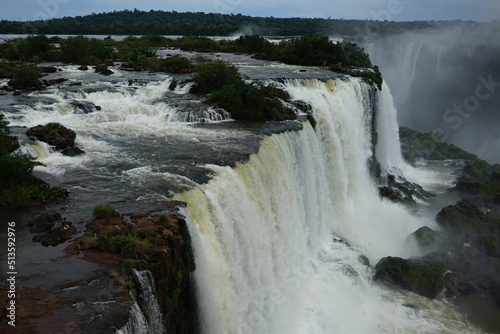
(278, 239)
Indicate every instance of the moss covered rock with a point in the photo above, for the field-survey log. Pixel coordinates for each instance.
(423, 277)
(53, 134)
(463, 218)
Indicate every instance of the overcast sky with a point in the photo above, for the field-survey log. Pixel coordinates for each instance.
(395, 10)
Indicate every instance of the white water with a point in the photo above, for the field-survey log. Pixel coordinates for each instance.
(138, 323)
(277, 239)
(388, 149)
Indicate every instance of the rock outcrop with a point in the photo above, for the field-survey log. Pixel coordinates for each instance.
(53, 134)
(423, 277)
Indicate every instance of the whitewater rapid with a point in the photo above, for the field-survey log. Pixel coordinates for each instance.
(279, 239)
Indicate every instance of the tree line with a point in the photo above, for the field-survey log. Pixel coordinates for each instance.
(136, 22)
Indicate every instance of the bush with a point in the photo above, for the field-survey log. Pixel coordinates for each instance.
(25, 77)
(215, 75)
(178, 64)
(105, 211)
(164, 220)
(125, 245)
(251, 102)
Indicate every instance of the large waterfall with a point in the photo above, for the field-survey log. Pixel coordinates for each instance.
(279, 239)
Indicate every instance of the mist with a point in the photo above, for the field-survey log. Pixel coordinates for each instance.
(446, 80)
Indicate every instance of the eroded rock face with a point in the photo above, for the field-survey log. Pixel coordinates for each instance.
(53, 134)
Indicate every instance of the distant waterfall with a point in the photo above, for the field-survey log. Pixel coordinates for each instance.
(278, 239)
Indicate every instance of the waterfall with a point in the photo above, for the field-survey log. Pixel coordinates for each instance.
(278, 239)
(148, 319)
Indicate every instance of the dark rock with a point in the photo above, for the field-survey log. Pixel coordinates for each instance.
(172, 85)
(83, 68)
(44, 222)
(78, 83)
(462, 218)
(456, 287)
(423, 277)
(54, 134)
(85, 106)
(48, 69)
(16, 93)
(54, 81)
(138, 82)
(72, 151)
(302, 106)
(102, 69)
(34, 84)
(426, 238)
(57, 235)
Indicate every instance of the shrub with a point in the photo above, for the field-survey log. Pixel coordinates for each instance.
(164, 220)
(25, 77)
(125, 245)
(178, 64)
(105, 211)
(215, 75)
(251, 102)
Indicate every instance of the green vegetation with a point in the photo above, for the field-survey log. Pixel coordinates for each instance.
(136, 22)
(125, 245)
(429, 147)
(131, 287)
(164, 220)
(18, 185)
(479, 179)
(178, 64)
(424, 278)
(250, 101)
(105, 211)
(213, 76)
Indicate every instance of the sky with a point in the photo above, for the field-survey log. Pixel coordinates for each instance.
(393, 10)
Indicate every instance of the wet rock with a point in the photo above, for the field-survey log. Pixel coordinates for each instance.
(30, 84)
(456, 287)
(53, 82)
(85, 106)
(102, 69)
(72, 151)
(302, 106)
(57, 235)
(106, 226)
(78, 83)
(49, 69)
(423, 277)
(53, 134)
(45, 222)
(83, 68)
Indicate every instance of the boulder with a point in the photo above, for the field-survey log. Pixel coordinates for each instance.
(463, 218)
(48, 69)
(456, 287)
(57, 235)
(72, 151)
(85, 107)
(102, 69)
(54, 134)
(45, 222)
(83, 68)
(53, 82)
(423, 277)
(28, 84)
